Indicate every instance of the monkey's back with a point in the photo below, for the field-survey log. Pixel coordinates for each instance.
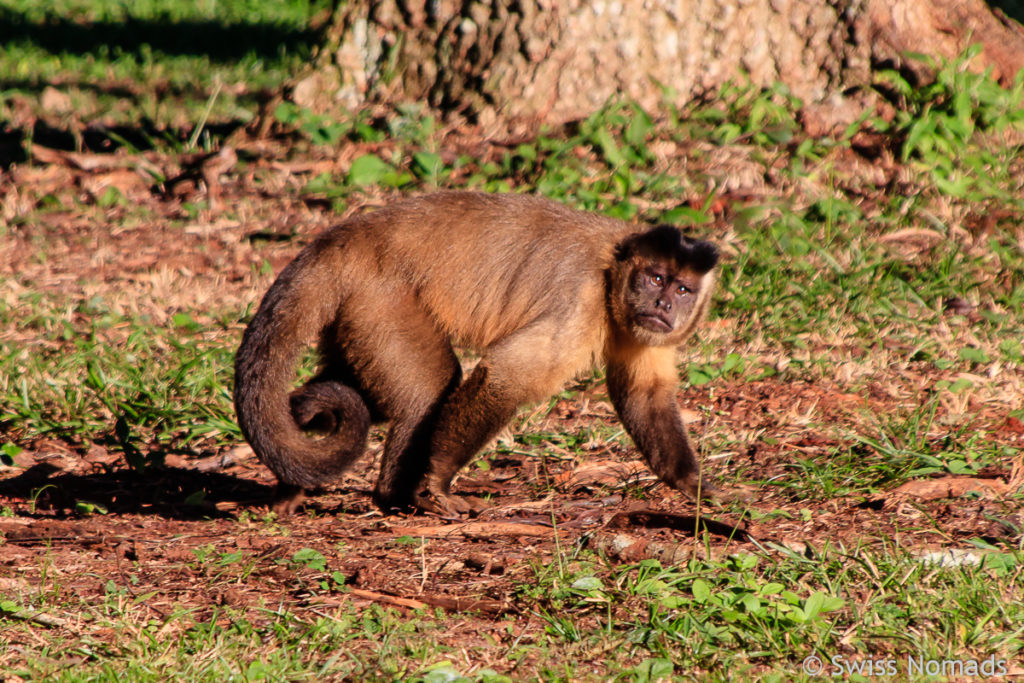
(484, 266)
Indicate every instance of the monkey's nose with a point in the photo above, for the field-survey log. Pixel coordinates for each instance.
(663, 304)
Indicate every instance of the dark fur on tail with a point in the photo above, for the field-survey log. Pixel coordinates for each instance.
(275, 419)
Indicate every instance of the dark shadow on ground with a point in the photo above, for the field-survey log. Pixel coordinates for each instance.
(1011, 8)
(166, 491)
(95, 138)
(687, 524)
(220, 42)
(125, 89)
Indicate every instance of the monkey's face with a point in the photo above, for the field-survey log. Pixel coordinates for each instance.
(660, 285)
(659, 299)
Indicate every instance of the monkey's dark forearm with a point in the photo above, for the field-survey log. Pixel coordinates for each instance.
(652, 419)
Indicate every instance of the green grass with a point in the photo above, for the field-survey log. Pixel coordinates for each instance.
(155, 63)
(85, 368)
(745, 616)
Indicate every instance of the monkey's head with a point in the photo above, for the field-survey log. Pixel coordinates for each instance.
(660, 285)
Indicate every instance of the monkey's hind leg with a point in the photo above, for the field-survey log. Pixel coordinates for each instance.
(473, 414)
(430, 375)
(523, 368)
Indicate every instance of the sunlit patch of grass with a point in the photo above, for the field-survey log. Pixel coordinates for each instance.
(151, 65)
(763, 614)
(80, 371)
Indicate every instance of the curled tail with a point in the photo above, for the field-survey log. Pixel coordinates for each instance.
(296, 309)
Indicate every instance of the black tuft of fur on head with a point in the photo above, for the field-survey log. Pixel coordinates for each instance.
(667, 242)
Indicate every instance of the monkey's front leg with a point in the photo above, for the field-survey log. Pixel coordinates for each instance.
(642, 388)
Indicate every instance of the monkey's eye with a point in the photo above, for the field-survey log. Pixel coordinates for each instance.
(657, 278)
(682, 289)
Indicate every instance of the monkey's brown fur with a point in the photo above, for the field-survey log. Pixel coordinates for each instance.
(545, 292)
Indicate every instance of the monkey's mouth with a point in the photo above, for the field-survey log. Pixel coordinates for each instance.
(654, 322)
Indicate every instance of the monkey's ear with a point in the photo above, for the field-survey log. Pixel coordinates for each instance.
(703, 255)
(668, 242)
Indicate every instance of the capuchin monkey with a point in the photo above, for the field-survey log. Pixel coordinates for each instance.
(543, 291)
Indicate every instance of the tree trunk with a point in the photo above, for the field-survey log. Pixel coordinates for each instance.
(559, 60)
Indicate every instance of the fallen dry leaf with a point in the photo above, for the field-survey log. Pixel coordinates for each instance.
(949, 487)
(483, 530)
(608, 474)
(129, 183)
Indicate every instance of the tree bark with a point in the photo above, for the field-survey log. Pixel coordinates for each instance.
(559, 60)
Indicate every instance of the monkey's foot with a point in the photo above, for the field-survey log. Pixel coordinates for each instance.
(288, 499)
(447, 504)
